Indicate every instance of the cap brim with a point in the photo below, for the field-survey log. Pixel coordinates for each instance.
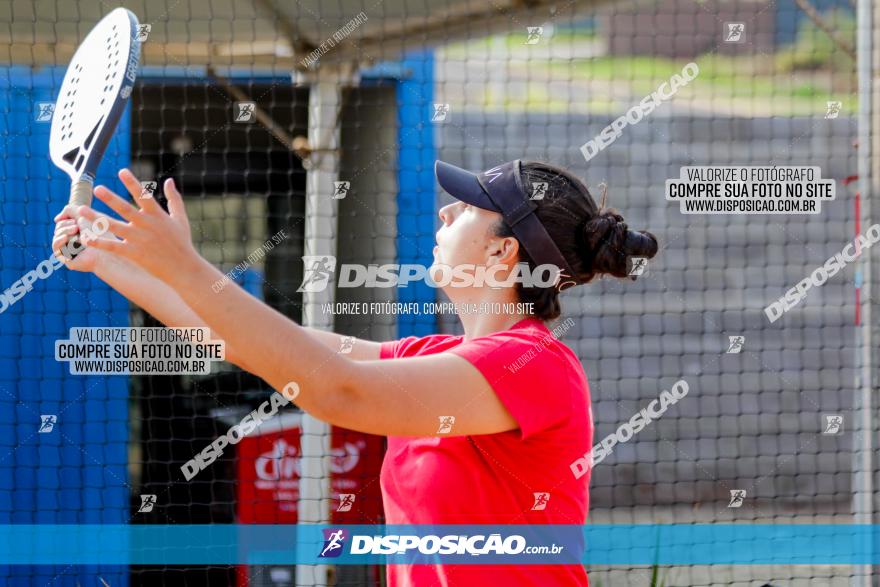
(462, 185)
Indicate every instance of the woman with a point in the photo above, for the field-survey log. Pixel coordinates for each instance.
(518, 397)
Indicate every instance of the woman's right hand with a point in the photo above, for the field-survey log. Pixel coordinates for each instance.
(67, 224)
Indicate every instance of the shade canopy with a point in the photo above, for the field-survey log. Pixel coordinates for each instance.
(271, 33)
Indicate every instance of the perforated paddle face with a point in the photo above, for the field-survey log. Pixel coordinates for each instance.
(93, 95)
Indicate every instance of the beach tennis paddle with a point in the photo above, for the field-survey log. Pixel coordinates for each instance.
(93, 95)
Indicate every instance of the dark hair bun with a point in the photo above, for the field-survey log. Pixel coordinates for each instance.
(610, 245)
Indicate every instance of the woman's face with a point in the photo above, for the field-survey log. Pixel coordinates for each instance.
(467, 237)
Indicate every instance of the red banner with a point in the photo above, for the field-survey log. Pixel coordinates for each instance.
(269, 471)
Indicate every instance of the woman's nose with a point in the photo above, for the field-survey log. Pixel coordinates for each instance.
(445, 214)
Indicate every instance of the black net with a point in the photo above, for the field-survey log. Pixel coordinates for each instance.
(310, 128)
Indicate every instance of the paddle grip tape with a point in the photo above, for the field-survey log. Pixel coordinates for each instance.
(80, 195)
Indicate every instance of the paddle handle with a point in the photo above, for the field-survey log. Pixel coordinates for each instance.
(80, 195)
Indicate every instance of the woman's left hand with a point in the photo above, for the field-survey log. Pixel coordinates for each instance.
(158, 242)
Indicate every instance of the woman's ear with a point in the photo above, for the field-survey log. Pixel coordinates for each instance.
(503, 251)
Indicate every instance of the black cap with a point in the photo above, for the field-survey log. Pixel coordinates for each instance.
(500, 190)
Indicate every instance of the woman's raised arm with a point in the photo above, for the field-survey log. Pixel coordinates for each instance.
(397, 397)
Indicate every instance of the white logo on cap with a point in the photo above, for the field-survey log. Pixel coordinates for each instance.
(494, 173)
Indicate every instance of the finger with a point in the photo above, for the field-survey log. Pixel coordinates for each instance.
(144, 198)
(59, 242)
(134, 186)
(116, 203)
(86, 225)
(66, 227)
(67, 212)
(111, 246)
(58, 254)
(117, 227)
(175, 201)
(98, 225)
(131, 183)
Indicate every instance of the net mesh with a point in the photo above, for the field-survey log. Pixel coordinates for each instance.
(474, 86)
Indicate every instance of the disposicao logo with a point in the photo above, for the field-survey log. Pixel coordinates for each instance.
(334, 543)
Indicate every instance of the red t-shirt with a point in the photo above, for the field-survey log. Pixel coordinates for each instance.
(493, 478)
